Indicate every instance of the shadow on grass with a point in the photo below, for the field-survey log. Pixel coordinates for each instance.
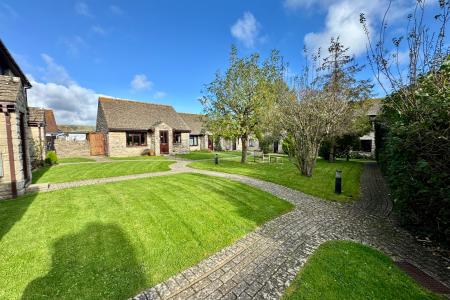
(96, 263)
(11, 211)
(39, 173)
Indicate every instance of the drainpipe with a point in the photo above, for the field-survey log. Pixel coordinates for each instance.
(12, 166)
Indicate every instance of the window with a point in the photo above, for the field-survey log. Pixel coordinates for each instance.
(136, 139)
(193, 140)
(177, 137)
(366, 145)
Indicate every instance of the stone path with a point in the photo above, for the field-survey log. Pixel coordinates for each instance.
(263, 263)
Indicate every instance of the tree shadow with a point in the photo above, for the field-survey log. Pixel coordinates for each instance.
(96, 263)
(11, 211)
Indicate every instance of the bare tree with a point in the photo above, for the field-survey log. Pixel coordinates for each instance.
(425, 49)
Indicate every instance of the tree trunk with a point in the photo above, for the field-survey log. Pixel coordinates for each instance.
(332, 151)
(244, 140)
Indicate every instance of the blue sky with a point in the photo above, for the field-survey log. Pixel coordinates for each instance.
(161, 51)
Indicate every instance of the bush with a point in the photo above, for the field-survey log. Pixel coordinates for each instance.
(324, 150)
(287, 145)
(51, 158)
(414, 155)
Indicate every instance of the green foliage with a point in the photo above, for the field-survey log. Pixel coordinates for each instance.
(266, 143)
(238, 102)
(415, 151)
(287, 145)
(217, 143)
(51, 158)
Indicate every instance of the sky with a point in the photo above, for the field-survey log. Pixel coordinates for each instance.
(165, 51)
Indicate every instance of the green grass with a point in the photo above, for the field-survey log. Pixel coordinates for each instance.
(321, 184)
(197, 155)
(142, 157)
(113, 240)
(347, 270)
(66, 173)
(74, 160)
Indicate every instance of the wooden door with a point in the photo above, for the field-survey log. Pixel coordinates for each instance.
(234, 145)
(210, 143)
(164, 142)
(23, 144)
(275, 147)
(97, 143)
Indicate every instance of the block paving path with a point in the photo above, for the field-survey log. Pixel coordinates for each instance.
(262, 264)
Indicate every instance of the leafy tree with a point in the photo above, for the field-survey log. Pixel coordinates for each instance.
(239, 102)
(338, 79)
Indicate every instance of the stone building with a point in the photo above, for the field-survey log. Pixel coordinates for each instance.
(15, 168)
(134, 128)
(36, 134)
(199, 137)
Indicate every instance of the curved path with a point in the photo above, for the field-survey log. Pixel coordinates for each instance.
(263, 263)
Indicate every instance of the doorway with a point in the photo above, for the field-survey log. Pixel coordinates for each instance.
(164, 142)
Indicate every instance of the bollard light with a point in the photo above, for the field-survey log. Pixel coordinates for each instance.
(216, 159)
(338, 182)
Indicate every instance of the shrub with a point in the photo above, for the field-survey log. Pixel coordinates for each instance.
(51, 158)
(414, 154)
(287, 144)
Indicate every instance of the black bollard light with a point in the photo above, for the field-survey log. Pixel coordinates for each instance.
(216, 159)
(338, 182)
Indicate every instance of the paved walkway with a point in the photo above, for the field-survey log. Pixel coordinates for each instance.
(263, 263)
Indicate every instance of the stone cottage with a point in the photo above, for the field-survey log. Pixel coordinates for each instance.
(15, 168)
(134, 128)
(36, 134)
(199, 137)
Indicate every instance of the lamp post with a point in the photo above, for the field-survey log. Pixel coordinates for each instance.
(338, 182)
(216, 159)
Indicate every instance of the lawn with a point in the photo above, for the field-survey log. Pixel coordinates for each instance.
(74, 160)
(347, 270)
(113, 240)
(197, 155)
(141, 157)
(321, 184)
(66, 173)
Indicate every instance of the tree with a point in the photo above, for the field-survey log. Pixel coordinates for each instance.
(339, 80)
(309, 117)
(414, 135)
(238, 103)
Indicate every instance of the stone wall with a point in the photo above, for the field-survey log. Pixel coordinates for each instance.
(182, 147)
(72, 148)
(117, 145)
(5, 181)
(36, 143)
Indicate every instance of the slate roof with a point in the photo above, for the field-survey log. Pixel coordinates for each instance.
(36, 115)
(50, 122)
(123, 114)
(196, 122)
(375, 108)
(9, 88)
(76, 128)
(7, 58)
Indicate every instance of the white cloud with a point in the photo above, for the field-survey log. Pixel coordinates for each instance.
(116, 10)
(74, 44)
(159, 95)
(99, 30)
(141, 82)
(72, 103)
(246, 30)
(82, 8)
(342, 20)
(54, 72)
